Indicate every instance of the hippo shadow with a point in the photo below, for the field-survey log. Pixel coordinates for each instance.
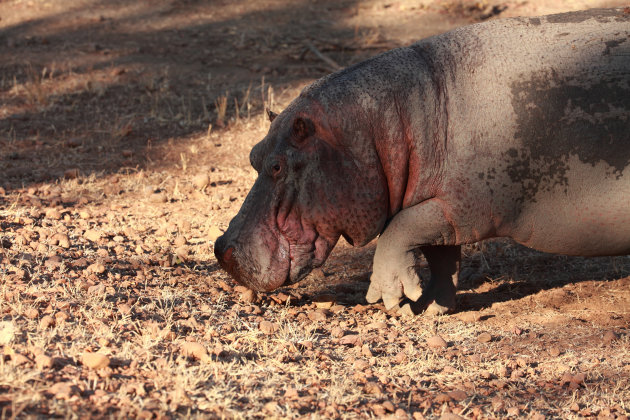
(496, 270)
(502, 270)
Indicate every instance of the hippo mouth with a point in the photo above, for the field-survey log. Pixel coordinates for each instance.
(307, 247)
(303, 257)
(266, 251)
(260, 261)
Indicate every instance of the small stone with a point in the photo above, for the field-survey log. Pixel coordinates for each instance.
(291, 393)
(451, 416)
(46, 322)
(194, 350)
(458, 395)
(317, 274)
(95, 360)
(271, 406)
(365, 351)
(19, 359)
(469, 316)
(53, 214)
(249, 296)
(400, 414)
(60, 239)
(373, 388)
(317, 316)
(200, 181)
(61, 390)
(180, 240)
(159, 197)
(360, 365)
(350, 340)
(182, 252)
(442, 398)
(437, 342)
(484, 337)
(324, 301)
(268, 327)
(513, 411)
(52, 262)
(578, 378)
(387, 405)
(96, 290)
(124, 309)
(96, 268)
(336, 332)
(61, 317)
(92, 235)
(554, 351)
(497, 403)
(31, 313)
(378, 410)
(8, 331)
(43, 362)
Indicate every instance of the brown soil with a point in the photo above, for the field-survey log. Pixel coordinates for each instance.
(125, 128)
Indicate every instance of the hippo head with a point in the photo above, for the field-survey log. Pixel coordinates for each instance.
(311, 189)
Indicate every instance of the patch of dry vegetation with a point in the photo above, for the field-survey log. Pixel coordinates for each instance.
(132, 317)
(122, 161)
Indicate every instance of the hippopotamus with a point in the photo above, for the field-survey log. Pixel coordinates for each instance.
(514, 128)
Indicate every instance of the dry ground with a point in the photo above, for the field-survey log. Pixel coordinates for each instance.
(125, 128)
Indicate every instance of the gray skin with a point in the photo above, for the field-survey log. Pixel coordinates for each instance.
(513, 128)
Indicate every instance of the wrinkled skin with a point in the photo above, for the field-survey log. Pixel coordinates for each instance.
(517, 128)
(293, 216)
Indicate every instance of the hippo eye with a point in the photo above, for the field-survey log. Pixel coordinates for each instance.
(276, 168)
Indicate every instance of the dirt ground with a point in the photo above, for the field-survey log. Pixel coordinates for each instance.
(125, 129)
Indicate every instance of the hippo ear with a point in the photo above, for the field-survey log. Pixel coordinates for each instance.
(302, 129)
(272, 115)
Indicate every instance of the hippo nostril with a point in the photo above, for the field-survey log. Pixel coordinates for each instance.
(224, 253)
(220, 247)
(227, 255)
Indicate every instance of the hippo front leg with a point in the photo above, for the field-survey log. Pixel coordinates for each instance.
(394, 273)
(439, 295)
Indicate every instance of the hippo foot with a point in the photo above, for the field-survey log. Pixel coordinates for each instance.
(392, 281)
(432, 303)
(393, 284)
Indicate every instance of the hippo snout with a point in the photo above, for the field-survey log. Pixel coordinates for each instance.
(223, 252)
(253, 264)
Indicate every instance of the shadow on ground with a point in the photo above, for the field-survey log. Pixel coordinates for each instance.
(94, 87)
(494, 271)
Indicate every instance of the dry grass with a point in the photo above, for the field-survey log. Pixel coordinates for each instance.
(101, 142)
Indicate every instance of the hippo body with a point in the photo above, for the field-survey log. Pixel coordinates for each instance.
(513, 128)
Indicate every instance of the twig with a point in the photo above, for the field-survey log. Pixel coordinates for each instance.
(322, 57)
